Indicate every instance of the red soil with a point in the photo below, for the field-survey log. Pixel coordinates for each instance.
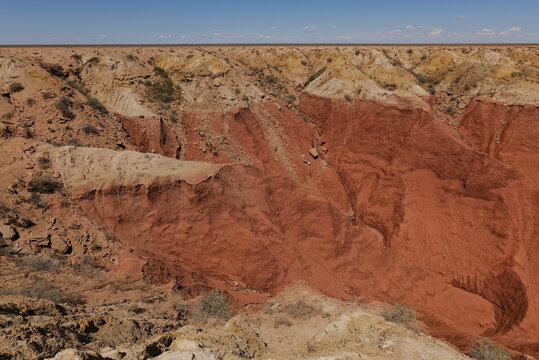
(151, 135)
(399, 209)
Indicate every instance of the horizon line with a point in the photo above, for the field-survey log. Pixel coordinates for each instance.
(260, 44)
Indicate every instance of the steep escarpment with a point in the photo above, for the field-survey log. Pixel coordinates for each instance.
(389, 185)
(385, 174)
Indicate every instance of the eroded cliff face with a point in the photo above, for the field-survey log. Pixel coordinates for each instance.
(361, 184)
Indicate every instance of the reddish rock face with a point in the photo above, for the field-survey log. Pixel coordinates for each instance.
(151, 135)
(397, 207)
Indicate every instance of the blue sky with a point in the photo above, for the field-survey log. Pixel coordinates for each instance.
(244, 21)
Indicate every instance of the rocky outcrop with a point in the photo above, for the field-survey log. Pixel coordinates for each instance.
(152, 135)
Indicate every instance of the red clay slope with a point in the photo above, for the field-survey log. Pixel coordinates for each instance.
(399, 209)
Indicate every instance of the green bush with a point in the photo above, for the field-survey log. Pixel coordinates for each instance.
(43, 184)
(64, 105)
(96, 104)
(163, 90)
(16, 87)
(400, 314)
(485, 350)
(214, 304)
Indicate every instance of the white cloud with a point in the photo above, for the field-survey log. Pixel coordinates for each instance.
(307, 27)
(436, 32)
(487, 32)
(274, 28)
(333, 26)
(461, 17)
(104, 36)
(394, 32)
(162, 36)
(343, 37)
(410, 27)
(511, 30)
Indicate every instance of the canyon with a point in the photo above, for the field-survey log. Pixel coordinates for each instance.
(395, 174)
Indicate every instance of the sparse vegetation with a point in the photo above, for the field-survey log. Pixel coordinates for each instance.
(90, 129)
(30, 102)
(301, 310)
(64, 105)
(96, 104)
(131, 57)
(314, 76)
(270, 79)
(348, 97)
(37, 201)
(42, 262)
(423, 57)
(329, 59)
(164, 89)
(291, 98)
(485, 350)
(282, 321)
(77, 57)
(16, 87)
(74, 142)
(43, 162)
(304, 62)
(420, 77)
(93, 60)
(214, 304)
(400, 314)
(77, 86)
(48, 95)
(28, 133)
(41, 289)
(56, 70)
(43, 184)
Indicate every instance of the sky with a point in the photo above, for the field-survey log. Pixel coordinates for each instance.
(273, 21)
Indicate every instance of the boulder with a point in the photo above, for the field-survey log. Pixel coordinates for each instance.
(314, 153)
(59, 245)
(38, 239)
(7, 232)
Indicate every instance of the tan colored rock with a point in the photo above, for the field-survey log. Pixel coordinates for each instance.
(38, 238)
(58, 244)
(7, 232)
(314, 153)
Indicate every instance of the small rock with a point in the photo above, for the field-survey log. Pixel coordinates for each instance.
(314, 153)
(7, 232)
(58, 244)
